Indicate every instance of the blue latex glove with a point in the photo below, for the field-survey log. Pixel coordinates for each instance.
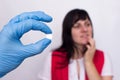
(12, 51)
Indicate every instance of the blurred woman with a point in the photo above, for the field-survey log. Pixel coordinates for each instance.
(77, 58)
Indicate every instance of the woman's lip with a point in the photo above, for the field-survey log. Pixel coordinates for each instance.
(84, 36)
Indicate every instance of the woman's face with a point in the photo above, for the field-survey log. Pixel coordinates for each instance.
(81, 32)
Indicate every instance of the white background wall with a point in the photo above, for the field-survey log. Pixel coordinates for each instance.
(105, 15)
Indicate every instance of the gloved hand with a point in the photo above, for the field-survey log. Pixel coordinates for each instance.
(12, 51)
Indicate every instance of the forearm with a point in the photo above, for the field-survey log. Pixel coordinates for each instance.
(91, 71)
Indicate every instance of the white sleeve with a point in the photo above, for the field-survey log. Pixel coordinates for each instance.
(107, 67)
(45, 73)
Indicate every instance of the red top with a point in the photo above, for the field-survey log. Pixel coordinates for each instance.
(60, 63)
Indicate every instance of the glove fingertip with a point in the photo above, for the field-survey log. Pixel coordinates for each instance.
(42, 44)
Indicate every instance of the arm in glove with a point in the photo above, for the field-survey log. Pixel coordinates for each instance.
(12, 51)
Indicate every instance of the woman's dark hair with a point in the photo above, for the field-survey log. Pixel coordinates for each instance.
(70, 19)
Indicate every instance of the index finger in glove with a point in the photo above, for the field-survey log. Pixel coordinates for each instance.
(36, 15)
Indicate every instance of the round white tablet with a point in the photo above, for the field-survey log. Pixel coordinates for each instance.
(49, 36)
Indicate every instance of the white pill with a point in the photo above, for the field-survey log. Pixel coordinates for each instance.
(49, 36)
